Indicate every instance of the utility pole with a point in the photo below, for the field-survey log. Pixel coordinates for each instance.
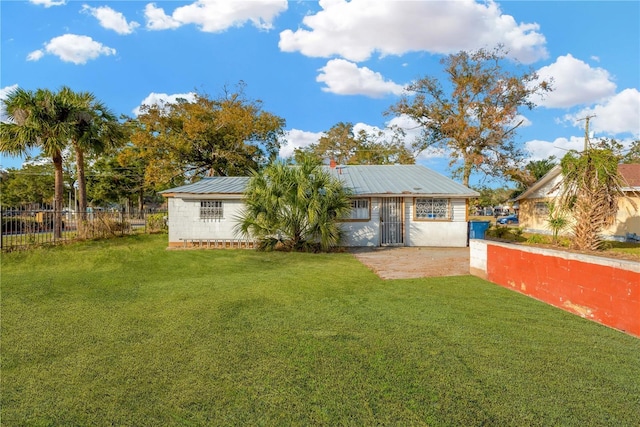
(586, 131)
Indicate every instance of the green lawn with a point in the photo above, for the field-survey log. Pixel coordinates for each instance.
(124, 332)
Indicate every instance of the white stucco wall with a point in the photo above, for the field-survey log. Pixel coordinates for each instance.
(478, 257)
(364, 233)
(185, 222)
(437, 233)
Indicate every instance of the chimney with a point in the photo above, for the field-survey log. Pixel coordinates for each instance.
(332, 164)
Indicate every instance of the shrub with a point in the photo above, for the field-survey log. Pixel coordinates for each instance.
(499, 231)
(105, 226)
(294, 207)
(157, 223)
(557, 220)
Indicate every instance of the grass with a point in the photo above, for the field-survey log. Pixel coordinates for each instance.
(629, 248)
(124, 332)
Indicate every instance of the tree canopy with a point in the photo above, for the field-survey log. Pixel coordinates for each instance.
(477, 118)
(117, 178)
(490, 197)
(33, 183)
(229, 135)
(531, 173)
(633, 154)
(345, 147)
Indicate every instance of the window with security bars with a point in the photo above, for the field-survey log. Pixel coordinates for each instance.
(359, 209)
(435, 209)
(211, 209)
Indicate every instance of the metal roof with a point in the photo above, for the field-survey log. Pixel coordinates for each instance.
(398, 179)
(213, 185)
(382, 180)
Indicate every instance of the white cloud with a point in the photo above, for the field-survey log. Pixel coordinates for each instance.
(216, 15)
(413, 133)
(48, 3)
(574, 83)
(539, 149)
(619, 114)
(35, 55)
(358, 28)
(111, 19)
(345, 78)
(161, 99)
(296, 138)
(520, 118)
(158, 20)
(72, 48)
(3, 95)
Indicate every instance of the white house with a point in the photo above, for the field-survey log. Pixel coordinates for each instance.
(394, 205)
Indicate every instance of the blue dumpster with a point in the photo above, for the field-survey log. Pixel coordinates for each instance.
(478, 228)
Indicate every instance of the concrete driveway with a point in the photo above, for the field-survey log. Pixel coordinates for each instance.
(413, 262)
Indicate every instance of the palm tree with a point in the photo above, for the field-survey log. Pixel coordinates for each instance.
(294, 207)
(39, 119)
(94, 128)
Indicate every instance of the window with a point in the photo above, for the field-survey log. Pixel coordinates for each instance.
(359, 209)
(541, 209)
(432, 209)
(211, 209)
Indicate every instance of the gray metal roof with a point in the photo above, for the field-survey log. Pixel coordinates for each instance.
(362, 180)
(398, 179)
(214, 185)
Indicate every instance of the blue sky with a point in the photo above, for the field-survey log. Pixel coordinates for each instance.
(319, 63)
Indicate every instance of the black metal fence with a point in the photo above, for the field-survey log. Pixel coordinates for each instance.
(26, 228)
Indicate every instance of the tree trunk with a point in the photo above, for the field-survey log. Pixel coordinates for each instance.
(82, 191)
(58, 196)
(466, 172)
(140, 201)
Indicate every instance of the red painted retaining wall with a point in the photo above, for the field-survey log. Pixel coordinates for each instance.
(606, 291)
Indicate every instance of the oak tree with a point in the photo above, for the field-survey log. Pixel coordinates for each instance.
(228, 135)
(476, 118)
(346, 147)
(31, 184)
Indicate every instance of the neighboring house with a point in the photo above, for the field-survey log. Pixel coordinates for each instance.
(401, 205)
(533, 211)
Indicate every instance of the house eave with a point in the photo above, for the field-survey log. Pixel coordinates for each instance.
(554, 172)
(202, 196)
(412, 194)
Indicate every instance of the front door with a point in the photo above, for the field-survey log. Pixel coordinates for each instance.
(391, 221)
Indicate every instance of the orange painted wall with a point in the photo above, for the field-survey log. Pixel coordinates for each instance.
(605, 294)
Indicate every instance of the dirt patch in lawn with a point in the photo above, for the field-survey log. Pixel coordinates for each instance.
(407, 263)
